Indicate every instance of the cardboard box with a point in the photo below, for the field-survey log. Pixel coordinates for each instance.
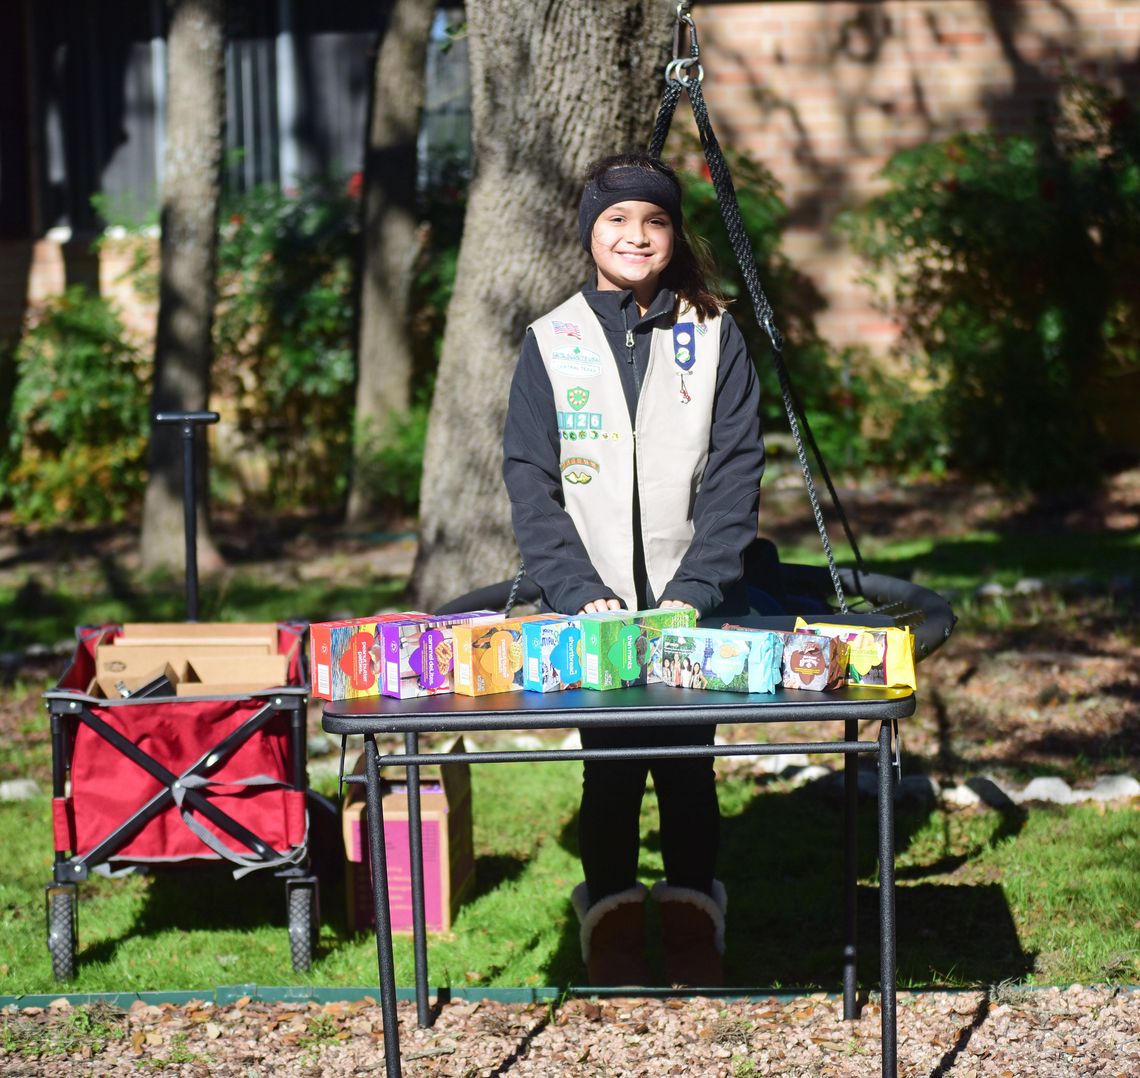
(489, 657)
(207, 658)
(230, 675)
(129, 685)
(179, 634)
(346, 655)
(449, 857)
(420, 656)
(552, 654)
(620, 649)
(727, 660)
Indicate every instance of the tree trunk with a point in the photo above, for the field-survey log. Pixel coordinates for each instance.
(191, 187)
(389, 238)
(555, 84)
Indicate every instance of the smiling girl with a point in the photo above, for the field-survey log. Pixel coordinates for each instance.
(633, 456)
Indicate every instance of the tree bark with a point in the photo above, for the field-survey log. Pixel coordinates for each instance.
(389, 238)
(191, 189)
(555, 85)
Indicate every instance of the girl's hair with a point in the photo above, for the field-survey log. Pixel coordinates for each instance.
(691, 268)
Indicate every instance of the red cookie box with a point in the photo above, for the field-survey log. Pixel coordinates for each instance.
(345, 655)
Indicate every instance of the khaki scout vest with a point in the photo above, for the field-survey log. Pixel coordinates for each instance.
(599, 450)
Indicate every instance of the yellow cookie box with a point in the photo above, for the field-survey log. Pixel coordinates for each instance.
(880, 654)
(489, 658)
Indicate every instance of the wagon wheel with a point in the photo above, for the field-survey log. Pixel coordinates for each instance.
(304, 921)
(62, 930)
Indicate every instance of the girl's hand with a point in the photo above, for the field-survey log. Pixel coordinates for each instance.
(597, 606)
(675, 604)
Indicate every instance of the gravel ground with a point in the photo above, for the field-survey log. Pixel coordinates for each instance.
(1005, 1033)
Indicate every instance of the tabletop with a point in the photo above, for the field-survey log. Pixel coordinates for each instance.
(637, 705)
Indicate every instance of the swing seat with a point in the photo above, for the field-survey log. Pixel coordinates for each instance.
(873, 598)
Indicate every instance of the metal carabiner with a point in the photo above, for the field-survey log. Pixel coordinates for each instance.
(684, 19)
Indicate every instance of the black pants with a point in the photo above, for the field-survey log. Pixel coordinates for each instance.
(609, 836)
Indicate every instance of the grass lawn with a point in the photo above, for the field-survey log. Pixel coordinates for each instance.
(1041, 895)
(1044, 896)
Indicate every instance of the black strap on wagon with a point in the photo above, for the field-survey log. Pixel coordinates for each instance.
(683, 75)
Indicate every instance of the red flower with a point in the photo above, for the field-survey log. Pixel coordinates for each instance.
(705, 171)
(355, 186)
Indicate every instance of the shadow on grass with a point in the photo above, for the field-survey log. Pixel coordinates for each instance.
(781, 860)
(1015, 554)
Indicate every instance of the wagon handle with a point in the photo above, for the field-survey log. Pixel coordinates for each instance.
(188, 423)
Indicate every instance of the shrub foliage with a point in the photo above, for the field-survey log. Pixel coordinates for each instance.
(1012, 262)
(77, 430)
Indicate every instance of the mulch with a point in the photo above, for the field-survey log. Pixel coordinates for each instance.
(1007, 1032)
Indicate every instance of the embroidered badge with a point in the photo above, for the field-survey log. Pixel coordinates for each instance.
(576, 362)
(577, 397)
(566, 329)
(684, 354)
(579, 420)
(574, 470)
(702, 329)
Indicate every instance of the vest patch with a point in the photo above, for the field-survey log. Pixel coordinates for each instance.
(579, 420)
(576, 362)
(566, 329)
(575, 470)
(577, 397)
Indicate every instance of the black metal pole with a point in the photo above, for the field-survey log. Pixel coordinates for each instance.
(189, 509)
(187, 423)
(379, 858)
(416, 850)
(850, 871)
(887, 900)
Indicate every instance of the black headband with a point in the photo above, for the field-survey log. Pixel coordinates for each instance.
(627, 184)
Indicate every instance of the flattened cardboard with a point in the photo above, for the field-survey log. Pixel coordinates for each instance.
(179, 634)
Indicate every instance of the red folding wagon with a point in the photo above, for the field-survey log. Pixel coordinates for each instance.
(164, 780)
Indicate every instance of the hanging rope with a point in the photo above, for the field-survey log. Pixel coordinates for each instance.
(678, 82)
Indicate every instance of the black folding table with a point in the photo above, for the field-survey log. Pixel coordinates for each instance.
(642, 706)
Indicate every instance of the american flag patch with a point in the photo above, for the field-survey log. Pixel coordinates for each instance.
(567, 329)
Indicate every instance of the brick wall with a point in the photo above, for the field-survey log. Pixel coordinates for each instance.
(33, 270)
(822, 93)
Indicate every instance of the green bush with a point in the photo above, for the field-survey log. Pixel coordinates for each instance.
(853, 409)
(1012, 262)
(77, 426)
(390, 467)
(283, 334)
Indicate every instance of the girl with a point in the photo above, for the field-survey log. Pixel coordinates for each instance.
(632, 457)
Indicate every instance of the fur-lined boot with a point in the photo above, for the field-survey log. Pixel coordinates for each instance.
(692, 931)
(613, 936)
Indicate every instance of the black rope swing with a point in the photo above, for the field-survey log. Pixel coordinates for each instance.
(683, 75)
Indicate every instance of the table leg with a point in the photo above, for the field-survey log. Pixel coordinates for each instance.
(379, 864)
(416, 850)
(850, 869)
(887, 900)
